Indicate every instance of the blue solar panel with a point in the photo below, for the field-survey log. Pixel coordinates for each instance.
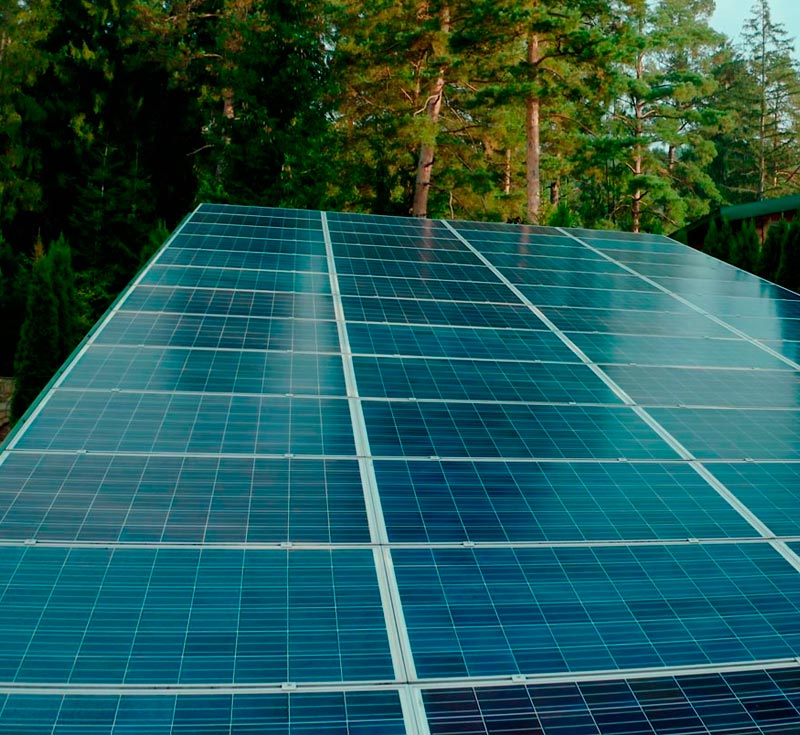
(187, 616)
(510, 430)
(555, 501)
(454, 342)
(243, 333)
(750, 703)
(177, 499)
(466, 379)
(230, 303)
(681, 321)
(223, 258)
(665, 350)
(345, 713)
(734, 434)
(334, 473)
(508, 611)
(704, 387)
(108, 421)
(207, 371)
(422, 288)
(240, 279)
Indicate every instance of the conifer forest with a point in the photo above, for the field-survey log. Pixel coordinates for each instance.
(118, 116)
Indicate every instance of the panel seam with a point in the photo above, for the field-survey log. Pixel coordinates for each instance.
(503, 680)
(399, 642)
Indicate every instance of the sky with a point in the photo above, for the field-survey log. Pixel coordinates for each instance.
(731, 14)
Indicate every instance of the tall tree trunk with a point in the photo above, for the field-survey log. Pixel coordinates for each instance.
(533, 133)
(638, 153)
(555, 193)
(762, 117)
(507, 173)
(427, 150)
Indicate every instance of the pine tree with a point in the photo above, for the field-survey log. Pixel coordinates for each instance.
(770, 256)
(745, 247)
(711, 242)
(770, 114)
(13, 296)
(36, 359)
(659, 122)
(789, 269)
(22, 26)
(66, 296)
(725, 241)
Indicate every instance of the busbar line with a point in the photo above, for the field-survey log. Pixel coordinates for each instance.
(422, 685)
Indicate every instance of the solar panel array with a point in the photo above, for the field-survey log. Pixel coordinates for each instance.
(348, 474)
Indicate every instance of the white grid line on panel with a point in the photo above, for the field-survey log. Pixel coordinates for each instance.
(326, 546)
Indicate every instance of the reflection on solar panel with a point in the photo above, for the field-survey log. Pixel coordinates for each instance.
(357, 475)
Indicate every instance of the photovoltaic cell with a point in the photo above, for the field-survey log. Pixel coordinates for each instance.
(222, 258)
(237, 278)
(734, 434)
(681, 321)
(599, 298)
(445, 313)
(769, 328)
(476, 272)
(455, 342)
(423, 288)
(770, 490)
(522, 266)
(230, 302)
(685, 386)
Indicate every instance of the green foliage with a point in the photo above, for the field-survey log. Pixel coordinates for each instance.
(711, 245)
(724, 241)
(36, 358)
(13, 297)
(155, 240)
(563, 216)
(745, 247)
(771, 250)
(789, 268)
(70, 328)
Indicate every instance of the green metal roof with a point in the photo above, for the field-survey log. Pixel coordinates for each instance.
(762, 208)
